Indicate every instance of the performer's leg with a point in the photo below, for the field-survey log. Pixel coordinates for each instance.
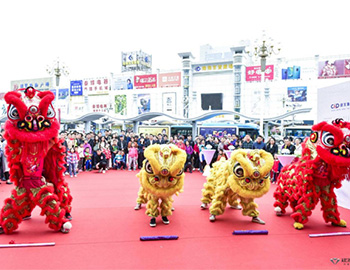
(233, 201)
(64, 196)
(219, 203)
(141, 198)
(49, 203)
(305, 205)
(330, 207)
(250, 208)
(165, 207)
(152, 206)
(207, 193)
(16, 207)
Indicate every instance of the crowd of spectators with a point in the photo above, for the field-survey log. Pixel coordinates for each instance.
(125, 150)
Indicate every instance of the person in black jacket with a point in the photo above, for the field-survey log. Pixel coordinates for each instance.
(122, 144)
(150, 141)
(271, 147)
(100, 161)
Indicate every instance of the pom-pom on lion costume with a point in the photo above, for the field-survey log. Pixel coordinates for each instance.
(36, 161)
(161, 177)
(324, 163)
(245, 176)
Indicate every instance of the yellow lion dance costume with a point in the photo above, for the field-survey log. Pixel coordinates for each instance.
(161, 177)
(245, 176)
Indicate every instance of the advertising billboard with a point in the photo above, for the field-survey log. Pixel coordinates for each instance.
(334, 69)
(143, 103)
(76, 88)
(217, 131)
(120, 104)
(212, 101)
(254, 73)
(96, 86)
(334, 102)
(297, 94)
(169, 79)
(136, 60)
(122, 82)
(154, 130)
(291, 73)
(145, 81)
(213, 67)
(41, 84)
(63, 93)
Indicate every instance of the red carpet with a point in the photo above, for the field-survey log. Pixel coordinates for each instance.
(106, 232)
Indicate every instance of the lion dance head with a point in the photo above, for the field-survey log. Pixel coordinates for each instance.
(31, 116)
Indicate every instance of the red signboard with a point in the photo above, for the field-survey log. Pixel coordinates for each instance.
(170, 79)
(145, 81)
(254, 73)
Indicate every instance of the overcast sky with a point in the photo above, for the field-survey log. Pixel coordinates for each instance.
(89, 36)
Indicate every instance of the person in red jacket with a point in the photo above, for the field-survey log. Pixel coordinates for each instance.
(180, 143)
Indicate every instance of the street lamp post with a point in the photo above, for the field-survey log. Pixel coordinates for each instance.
(263, 51)
(57, 71)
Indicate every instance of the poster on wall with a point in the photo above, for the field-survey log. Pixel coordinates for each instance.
(123, 82)
(143, 103)
(76, 88)
(96, 86)
(169, 103)
(154, 130)
(120, 104)
(291, 73)
(63, 93)
(297, 94)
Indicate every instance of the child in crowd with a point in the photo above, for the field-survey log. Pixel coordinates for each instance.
(80, 151)
(119, 160)
(72, 161)
(88, 159)
(132, 156)
(221, 154)
(189, 152)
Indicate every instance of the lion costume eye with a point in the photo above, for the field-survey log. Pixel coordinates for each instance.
(327, 139)
(180, 172)
(51, 112)
(148, 167)
(238, 170)
(13, 113)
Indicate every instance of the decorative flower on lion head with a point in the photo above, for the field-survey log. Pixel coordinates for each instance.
(324, 163)
(161, 176)
(245, 176)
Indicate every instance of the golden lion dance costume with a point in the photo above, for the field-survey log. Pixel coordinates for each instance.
(161, 177)
(245, 176)
(323, 165)
(36, 161)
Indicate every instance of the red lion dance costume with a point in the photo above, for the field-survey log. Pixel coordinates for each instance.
(36, 159)
(323, 165)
